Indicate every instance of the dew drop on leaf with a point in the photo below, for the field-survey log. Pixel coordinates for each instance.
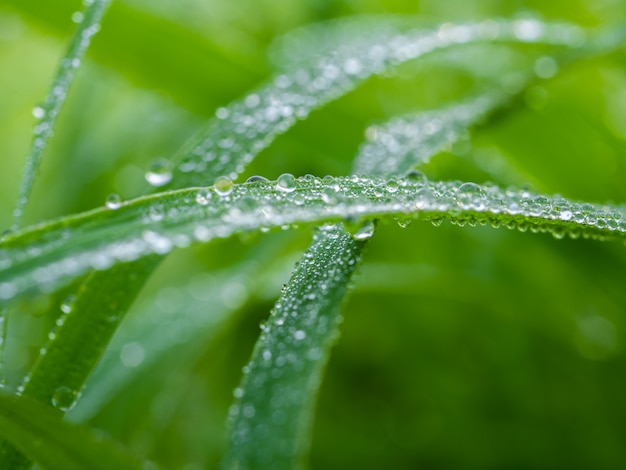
(470, 196)
(113, 201)
(365, 231)
(203, 197)
(159, 173)
(257, 179)
(546, 67)
(68, 304)
(223, 186)
(64, 398)
(38, 112)
(78, 17)
(416, 176)
(404, 223)
(286, 183)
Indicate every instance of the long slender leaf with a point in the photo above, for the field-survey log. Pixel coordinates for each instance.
(138, 43)
(48, 255)
(41, 434)
(394, 149)
(48, 112)
(272, 417)
(397, 146)
(319, 78)
(191, 323)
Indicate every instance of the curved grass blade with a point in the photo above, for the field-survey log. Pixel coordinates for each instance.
(398, 145)
(318, 79)
(48, 112)
(48, 255)
(42, 435)
(272, 418)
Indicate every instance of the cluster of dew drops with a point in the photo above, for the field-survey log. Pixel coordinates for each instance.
(461, 203)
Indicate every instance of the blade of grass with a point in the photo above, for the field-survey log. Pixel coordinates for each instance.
(41, 434)
(273, 108)
(272, 418)
(48, 255)
(139, 44)
(395, 148)
(48, 112)
(191, 325)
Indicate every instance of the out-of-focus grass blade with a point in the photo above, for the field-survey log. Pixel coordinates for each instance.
(48, 111)
(42, 435)
(242, 129)
(157, 53)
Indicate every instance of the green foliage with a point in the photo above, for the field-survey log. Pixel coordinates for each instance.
(39, 432)
(100, 325)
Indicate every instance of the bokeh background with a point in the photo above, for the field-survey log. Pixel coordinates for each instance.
(461, 347)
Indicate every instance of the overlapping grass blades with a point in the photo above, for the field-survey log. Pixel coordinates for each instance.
(349, 54)
(130, 240)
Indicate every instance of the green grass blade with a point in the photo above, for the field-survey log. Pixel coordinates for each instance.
(137, 43)
(192, 324)
(42, 435)
(397, 146)
(48, 255)
(319, 78)
(48, 112)
(272, 418)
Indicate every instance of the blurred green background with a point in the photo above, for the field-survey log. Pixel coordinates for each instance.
(461, 347)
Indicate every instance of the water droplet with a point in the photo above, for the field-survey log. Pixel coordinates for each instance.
(222, 113)
(68, 303)
(132, 354)
(416, 176)
(223, 186)
(113, 201)
(404, 223)
(252, 100)
(77, 17)
(365, 231)
(527, 29)
(470, 196)
(299, 335)
(39, 112)
(257, 179)
(203, 197)
(546, 67)
(159, 173)
(286, 182)
(64, 398)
